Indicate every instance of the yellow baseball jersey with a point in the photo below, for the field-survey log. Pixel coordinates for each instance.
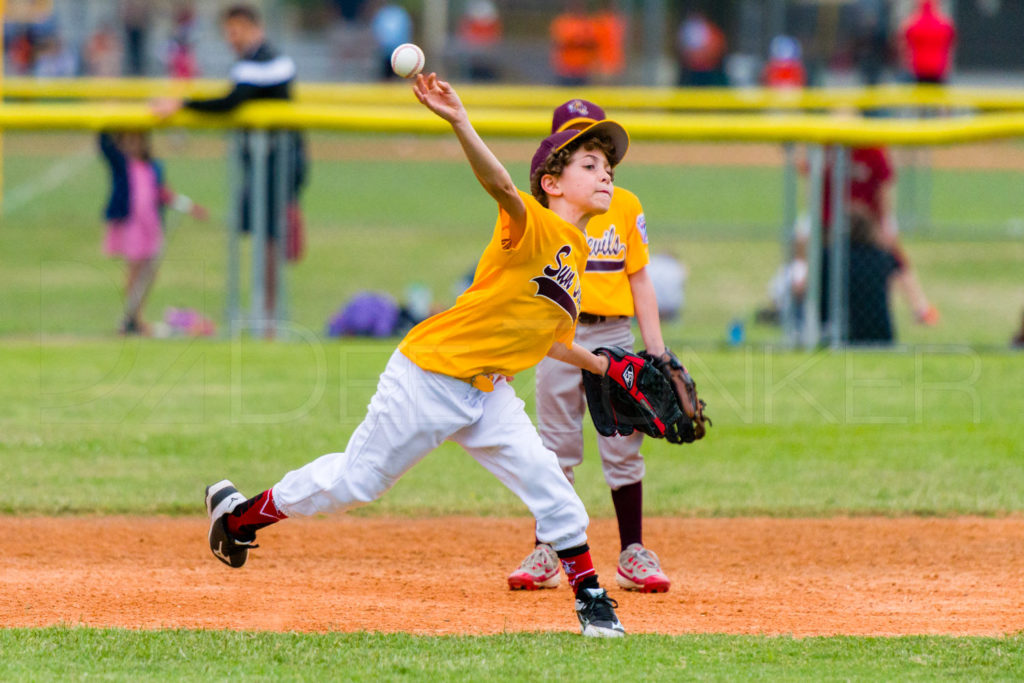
(524, 298)
(618, 248)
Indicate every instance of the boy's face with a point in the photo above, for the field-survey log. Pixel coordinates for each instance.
(586, 181)
(242, 35)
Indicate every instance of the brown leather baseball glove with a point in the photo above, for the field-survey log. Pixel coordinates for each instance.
(694, 423)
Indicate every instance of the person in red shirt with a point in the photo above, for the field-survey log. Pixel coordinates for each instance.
(928, 40)
(785, 68)
(870, 193)
(480, 32)
(701, 47)
(181, 57)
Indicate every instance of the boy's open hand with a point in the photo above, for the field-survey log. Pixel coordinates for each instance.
(439, 97)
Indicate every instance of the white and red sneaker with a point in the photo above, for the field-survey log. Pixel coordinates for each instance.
(540, 569)
(640, 570)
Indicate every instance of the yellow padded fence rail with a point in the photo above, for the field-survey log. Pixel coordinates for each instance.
(511, 96)
(534, 123)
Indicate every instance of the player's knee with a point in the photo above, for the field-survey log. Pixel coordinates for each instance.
(622, 474)
(565, 442)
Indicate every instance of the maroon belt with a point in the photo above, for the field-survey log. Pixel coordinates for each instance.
(591, 319)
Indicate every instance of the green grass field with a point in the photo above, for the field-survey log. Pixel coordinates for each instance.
(93, 424)
(74, 653)
(723, 222)
(140, 426)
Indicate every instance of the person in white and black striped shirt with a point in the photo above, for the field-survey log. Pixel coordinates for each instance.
(259, 74)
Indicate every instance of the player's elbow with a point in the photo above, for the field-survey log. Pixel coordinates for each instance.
(501, 188)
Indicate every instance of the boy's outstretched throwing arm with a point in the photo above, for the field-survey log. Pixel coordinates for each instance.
(439, 97)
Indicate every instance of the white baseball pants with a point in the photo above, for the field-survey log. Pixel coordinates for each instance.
(414, 411)
(562, 407)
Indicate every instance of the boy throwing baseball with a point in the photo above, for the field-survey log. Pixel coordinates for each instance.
(616, 287)
(447, 379)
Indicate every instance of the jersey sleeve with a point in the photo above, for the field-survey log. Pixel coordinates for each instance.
(569, 337)
(528, 242)
(637, 251)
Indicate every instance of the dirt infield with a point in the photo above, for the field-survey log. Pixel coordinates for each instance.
(862, 576)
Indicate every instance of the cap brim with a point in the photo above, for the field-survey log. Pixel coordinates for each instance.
(572, 122)
(613, 129)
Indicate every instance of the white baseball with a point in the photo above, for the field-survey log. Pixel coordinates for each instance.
(407, 60)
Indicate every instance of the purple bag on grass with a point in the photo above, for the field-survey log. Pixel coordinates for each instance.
(368, 314)
(188, 322)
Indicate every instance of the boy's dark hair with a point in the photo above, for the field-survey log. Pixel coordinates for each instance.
(555, 163)
(246, 12)
(864, 228)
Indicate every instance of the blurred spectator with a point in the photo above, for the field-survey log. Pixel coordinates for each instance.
(928, 40)
(134, 213)
(53, 59)
(181, 58)
(480, 33)
(668, 276)
(1018, 340)
(610, 34)
(870, 270)
(349, 9)
(463, 282)
(135, 17)
(785, 67)
(573, 45)
(790, 281)
(871, 47)
(392, 26)
(26, 27)
(22, 52)
(259, 74)
(870, 191)
(700, 46)
(102, 53)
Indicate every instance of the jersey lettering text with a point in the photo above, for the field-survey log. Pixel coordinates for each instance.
(560, 283)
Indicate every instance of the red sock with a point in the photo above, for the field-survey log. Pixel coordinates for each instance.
(577, 567)
(254, 514)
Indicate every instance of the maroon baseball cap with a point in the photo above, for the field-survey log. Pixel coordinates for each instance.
(556, 141)
(575, 112)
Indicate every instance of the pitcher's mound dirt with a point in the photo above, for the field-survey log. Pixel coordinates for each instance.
(447, 575)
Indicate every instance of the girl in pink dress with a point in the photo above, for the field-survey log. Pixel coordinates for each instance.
(134, 216)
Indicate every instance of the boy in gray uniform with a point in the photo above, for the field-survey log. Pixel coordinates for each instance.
(616, 287)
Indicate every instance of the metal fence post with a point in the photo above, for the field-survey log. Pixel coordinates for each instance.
(787, 314)
(232, 315)
(811, 333)
(839, 271)
(259, 226)
(282, 187)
